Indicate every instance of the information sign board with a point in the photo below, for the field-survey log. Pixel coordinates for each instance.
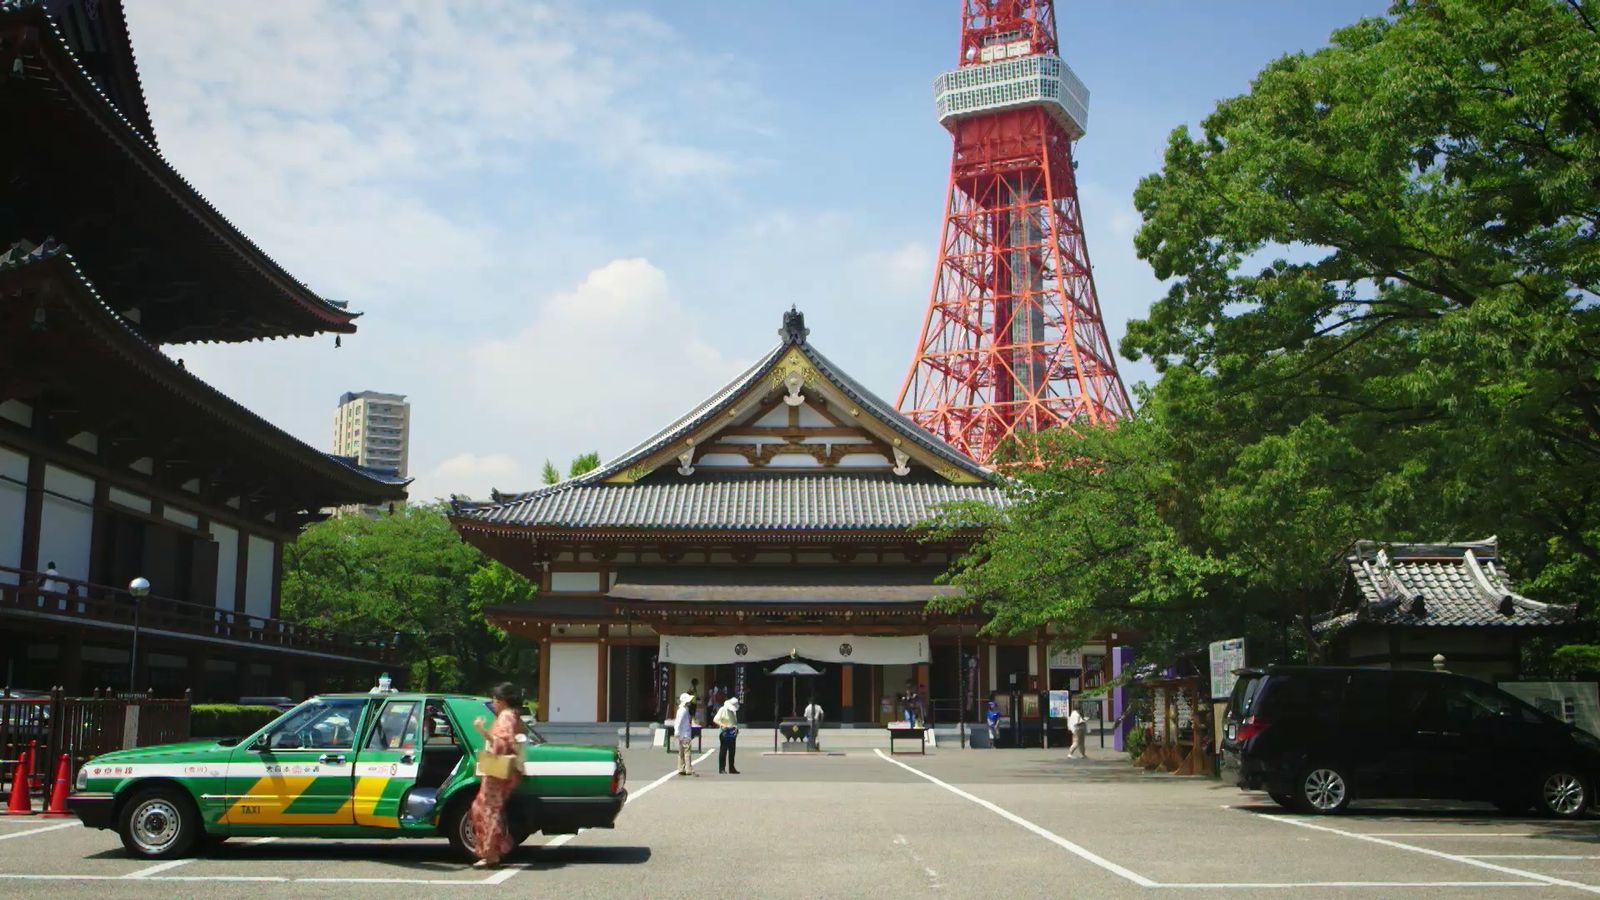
(1226, 656)
(1060, 704)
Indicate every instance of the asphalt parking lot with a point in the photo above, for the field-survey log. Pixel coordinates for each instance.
(966, 823)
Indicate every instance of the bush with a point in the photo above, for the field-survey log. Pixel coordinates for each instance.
(1576, 661)
(1136, 741)
(220, 720)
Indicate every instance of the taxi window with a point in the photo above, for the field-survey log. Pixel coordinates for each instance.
(318, 725)
(396, 728)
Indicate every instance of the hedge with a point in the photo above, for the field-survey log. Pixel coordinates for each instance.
(220, 720)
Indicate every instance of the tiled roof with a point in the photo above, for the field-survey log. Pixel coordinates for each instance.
(27, 256)
(1438, 585)
(770, 502)
(826, 501)
(336, 315)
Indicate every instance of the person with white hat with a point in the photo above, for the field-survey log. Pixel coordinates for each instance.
(684, 729)
(728, 738)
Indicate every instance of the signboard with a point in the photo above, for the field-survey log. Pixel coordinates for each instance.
(1060, 704)
(1226, 656)
(1067, 659)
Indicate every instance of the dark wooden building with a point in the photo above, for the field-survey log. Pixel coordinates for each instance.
(782, 515)
(1404, 604)
(115, 462)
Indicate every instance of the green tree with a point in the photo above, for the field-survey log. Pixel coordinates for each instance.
(1381, 322)
(1384, 271)
(584, 462)
(407, 574)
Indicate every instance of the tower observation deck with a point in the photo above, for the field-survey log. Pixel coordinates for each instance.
(1013, 342)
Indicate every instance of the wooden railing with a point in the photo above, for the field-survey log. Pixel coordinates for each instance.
(55, 595)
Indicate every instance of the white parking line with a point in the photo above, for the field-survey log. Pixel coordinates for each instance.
(1524, 856)
(1448, 834)
(1283, 885)
(1426, 851)
(1048, 835)
(159, 868)
(17, 834)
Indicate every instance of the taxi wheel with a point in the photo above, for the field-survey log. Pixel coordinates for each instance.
(159, 823)
(457, 827)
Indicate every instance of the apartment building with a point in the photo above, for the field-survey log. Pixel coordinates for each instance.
(373, 429)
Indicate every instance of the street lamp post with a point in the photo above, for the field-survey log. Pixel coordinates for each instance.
(138, 589)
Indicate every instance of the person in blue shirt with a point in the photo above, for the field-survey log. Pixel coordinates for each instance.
(991, 715)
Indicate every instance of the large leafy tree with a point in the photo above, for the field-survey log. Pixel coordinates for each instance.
(1384, 268)
(1381, 322)
(409, 575)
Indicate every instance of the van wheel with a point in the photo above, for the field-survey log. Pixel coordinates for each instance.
(1323, 790)
(159, 822)
(1284, 800)
(1563, 794)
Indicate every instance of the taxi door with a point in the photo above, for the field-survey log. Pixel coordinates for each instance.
(301, 772)
(386, 766)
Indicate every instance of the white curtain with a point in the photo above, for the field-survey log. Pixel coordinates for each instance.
(835, 648)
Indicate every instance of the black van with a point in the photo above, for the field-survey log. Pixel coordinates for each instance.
(1316, 738)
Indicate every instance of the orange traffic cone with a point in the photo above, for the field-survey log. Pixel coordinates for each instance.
(20, 805)
(58, 793)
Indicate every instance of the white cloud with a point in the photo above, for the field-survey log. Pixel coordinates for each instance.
(472, 474)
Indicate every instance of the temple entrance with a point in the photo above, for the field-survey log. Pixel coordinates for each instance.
(759, 686)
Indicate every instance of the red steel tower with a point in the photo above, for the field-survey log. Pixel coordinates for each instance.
(1013, 342)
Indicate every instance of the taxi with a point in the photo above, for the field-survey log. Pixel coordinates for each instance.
(392, 765)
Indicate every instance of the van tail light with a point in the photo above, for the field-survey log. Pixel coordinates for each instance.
(619, 779)
(1251, 727)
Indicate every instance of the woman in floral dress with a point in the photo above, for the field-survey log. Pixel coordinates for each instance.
(489, 809)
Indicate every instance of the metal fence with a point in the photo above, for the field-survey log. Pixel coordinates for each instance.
(42, 726)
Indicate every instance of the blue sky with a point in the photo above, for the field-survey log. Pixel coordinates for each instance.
(567, 222)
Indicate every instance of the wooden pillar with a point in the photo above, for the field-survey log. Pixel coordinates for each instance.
(544, 677)
(32, 514)
(241, 570)
(922, 681)
(70, 664)
(602, 696)
(847, 710)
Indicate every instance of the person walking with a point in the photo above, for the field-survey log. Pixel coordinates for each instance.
(728, 736)
(683, 727)
(813, 714)
(1080, 734)
(991, 715)
(488, 810)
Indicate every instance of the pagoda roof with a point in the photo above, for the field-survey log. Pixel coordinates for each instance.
(641, 490)
(86, 171)
(1438, 585)
(39, 283)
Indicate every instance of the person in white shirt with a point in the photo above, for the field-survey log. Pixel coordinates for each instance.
(728, 738)
(1080, 734)
(684, 729)
(813, 714)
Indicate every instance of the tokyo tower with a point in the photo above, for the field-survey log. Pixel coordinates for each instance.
(1013, 342)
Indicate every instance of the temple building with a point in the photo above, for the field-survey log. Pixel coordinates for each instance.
(115, 462)
(782, 516)
(1402, 605)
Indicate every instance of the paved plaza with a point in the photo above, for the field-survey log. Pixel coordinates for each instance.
(958, 823)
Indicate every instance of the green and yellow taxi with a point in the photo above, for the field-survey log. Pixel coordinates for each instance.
(391, 765)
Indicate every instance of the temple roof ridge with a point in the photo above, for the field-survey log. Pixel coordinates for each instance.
(120, 125)
(795, 336)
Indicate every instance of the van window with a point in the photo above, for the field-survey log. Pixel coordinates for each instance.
(1301, 693)
(1244, 695)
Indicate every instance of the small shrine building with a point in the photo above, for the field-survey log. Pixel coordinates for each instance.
(782, 516)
